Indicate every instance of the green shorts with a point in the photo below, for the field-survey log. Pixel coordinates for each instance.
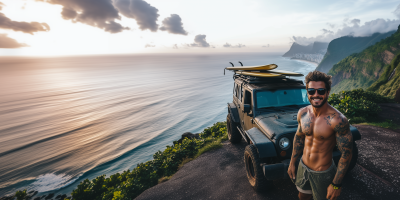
(313, 182)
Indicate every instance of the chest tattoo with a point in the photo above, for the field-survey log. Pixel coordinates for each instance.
(307, 121)
(329, 119)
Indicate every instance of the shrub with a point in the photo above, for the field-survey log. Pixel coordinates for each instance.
(130, 184)
(358, 105)
(21, 195)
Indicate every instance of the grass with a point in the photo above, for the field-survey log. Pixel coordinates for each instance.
(386, 124)
(164, 178)
(211, 146)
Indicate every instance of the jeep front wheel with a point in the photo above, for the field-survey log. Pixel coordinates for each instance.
(233, 133)
(254, 170)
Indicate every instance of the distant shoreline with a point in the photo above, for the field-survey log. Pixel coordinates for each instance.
(315, 63)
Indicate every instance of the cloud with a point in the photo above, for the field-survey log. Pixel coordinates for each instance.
(145, 15)
(353, 28)
(331, 25)
(6, 42)
(173, 25)
(327, 31)
(149, 45)
(397, 11)
(175, 46)
(31, 27)
(200, 41)
(265, 45)
(98, 13)
(227, 45)
(355, 22)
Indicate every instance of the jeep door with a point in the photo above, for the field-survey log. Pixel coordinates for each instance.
(237, 95)
(246, 117)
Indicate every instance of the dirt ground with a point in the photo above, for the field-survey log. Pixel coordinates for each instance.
(220, 174)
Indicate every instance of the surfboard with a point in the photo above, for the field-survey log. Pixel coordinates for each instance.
(258, 74)
(283, 72)
(254, 68)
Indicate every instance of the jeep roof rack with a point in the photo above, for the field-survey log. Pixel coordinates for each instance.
(253, 79)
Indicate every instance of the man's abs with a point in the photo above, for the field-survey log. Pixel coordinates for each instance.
(317, 155)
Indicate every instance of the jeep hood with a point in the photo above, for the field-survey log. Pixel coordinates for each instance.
(278, 123)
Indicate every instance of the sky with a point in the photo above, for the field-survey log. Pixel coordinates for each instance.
(89, 27)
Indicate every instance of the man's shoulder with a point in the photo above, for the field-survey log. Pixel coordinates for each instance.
(340, 124)
(303, 109)
(337, 116)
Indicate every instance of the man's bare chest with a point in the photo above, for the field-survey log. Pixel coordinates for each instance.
(317, 127)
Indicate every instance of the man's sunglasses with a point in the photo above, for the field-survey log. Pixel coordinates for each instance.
(311, 91)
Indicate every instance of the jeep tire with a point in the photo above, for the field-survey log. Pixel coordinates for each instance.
(254, 170)
(233, 133)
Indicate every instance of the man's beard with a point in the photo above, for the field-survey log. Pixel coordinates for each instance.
(318, 106)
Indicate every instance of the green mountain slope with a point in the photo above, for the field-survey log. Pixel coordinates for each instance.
(342, 47)
(389, 82)
(374, 64)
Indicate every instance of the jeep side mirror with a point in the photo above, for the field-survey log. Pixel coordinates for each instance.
(246, 108)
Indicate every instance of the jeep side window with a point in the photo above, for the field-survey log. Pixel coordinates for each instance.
(247, 97)
(234, 89)
(239, 96)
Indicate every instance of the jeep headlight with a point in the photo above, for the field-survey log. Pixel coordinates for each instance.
(284, 143)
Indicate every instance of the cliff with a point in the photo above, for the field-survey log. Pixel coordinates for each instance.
(372, 68)
(297, 48)
(342, 47)
(319, 47)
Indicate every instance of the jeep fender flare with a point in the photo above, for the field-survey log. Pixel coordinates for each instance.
(233, 111)
(355, 133)
(264, 145)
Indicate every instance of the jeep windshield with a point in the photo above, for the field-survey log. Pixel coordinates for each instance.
(281, 97)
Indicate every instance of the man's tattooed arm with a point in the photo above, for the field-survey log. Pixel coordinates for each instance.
(344, 141)
(298, 141)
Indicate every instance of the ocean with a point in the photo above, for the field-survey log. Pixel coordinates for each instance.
(66, 119)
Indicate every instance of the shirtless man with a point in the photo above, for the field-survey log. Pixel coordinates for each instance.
(321, 127)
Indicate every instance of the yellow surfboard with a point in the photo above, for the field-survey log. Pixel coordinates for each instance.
(258, 74)
(283, 72)
(254, 68)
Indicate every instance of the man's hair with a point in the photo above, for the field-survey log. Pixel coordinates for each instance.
(319, 76)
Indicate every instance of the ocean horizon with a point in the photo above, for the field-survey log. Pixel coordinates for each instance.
(66, 119)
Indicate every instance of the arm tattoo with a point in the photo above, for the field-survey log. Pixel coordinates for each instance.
(298, 146)
(298, 141)
(307, 120)
(344, 141)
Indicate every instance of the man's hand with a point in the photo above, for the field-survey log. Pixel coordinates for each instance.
(332, 193)
(291, 172)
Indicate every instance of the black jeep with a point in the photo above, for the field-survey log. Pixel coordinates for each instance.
(264, 114)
